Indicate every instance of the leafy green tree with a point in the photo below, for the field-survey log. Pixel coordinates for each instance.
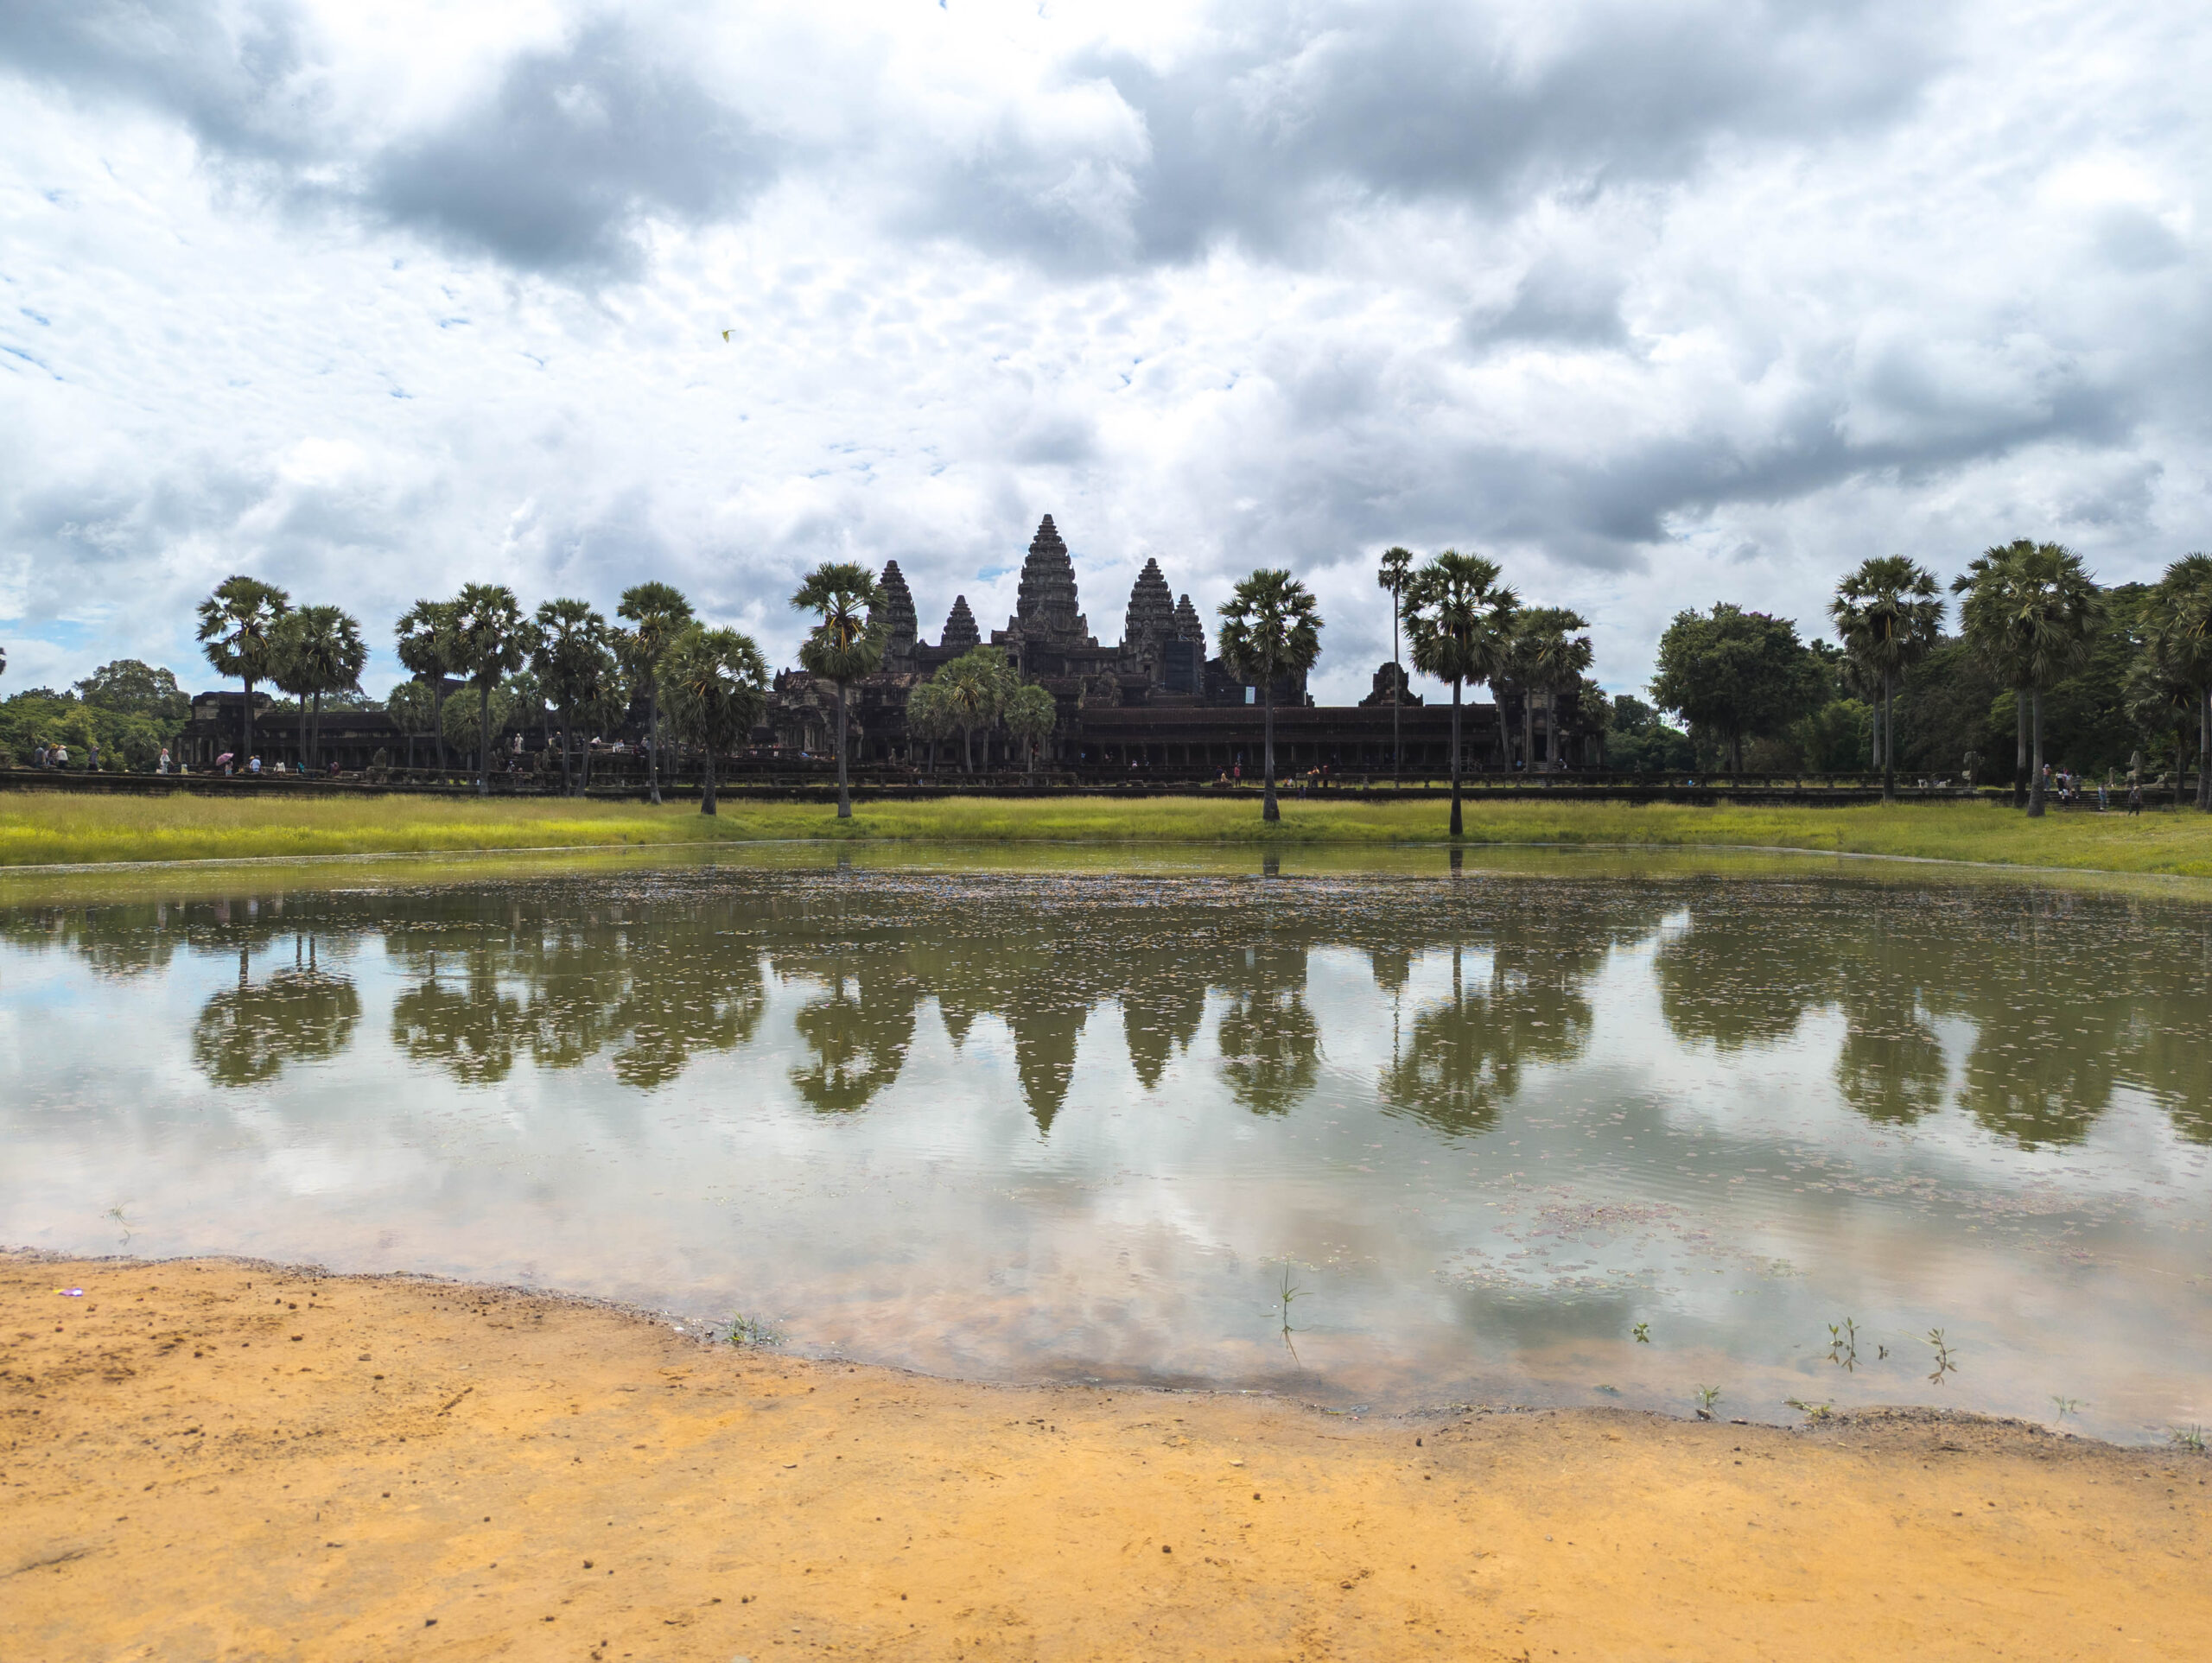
(1029, 715)
(717, 688)
(474, 718)
(2160, 704)
(845, 645)
(1270, 629)
(1889, 615)
(1393, 573)
(414, 706)
(974, 687)
(657, 614)
(136, 689)
(424, 637)
(572, 656)
(1458, 620)
(1637, 741)
(235, 624)
(317, 651)
(1742, 674)
(2178, 638)
(2032, 607)
(490, 640)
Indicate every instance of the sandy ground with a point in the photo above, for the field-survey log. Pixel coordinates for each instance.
(210, 1459)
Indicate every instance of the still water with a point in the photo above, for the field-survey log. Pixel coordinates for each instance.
(1485, 1129)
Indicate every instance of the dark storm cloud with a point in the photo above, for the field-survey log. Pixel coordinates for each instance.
(1292, 118)
(244, 88)
(558, 169)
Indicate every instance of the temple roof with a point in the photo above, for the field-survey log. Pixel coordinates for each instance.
(1150, 617)
(894, 609)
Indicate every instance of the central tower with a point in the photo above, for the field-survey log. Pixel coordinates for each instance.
(1045, 606)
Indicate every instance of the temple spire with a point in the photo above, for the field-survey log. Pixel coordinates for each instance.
(894, 610)
(959, 631)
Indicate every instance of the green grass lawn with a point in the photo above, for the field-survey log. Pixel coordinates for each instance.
(43, 828)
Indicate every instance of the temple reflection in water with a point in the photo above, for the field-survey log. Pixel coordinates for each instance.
(650, 974)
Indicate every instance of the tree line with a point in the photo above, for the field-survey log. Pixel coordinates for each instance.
(2124, 672)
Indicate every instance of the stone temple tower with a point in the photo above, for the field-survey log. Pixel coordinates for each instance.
(1150, 617)
(1187, 627)
(959, 631)
(894, 610)
(1045, 608)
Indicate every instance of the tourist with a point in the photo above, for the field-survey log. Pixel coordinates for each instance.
(162, 763)
(92, 756)
(2134, 794)
(253, 766)
(59, 756)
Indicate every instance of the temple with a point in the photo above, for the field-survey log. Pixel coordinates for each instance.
(1152, 702)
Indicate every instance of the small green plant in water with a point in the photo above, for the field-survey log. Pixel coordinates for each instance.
(2188, 1438)
(1290, 1291)
(2065, 1406)
(1814, 1412)
(1943, 1363)
(1643, 1333)
(751, 1331)
(1843, 1345)
(1706, 1397)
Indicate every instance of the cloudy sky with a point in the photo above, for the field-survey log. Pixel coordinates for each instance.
(1658, 303)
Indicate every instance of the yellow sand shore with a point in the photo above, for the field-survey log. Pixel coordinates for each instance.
(216, 1460)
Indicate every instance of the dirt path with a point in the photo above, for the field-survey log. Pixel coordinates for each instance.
(206, 1459)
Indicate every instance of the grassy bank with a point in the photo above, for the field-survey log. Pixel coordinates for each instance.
(57, 828)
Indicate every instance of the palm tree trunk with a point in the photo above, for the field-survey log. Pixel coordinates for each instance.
(1889, 738)
(1397, 678)
(1736, 754)
(245, 753)
(652, 737)
(2204, 750)
(1527, 733)
(2020, 750)
(438, 721)
(966, 749)
(844, 794)
(1551, 730)
(1455, 757)
(706, 791)
(484, 734)
(2035, 761)
(568, 738)
(1267, 808)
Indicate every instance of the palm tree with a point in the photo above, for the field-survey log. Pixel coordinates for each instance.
(490, 639)
(1544, 653)
(717, 688)
(424, 638)
(2030, 608)
(844, 646)
(571, 654)
(2180, 640)
(1270, 628)
(318, 649)
(658, 614)
(976, 686)
(1460, 618)
(1395, 569)
(235, 623)
(414, 706)
(1889, 614)
(1029, 715)
(928, 717)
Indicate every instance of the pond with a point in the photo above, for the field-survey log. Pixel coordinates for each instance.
(1556, 1131)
